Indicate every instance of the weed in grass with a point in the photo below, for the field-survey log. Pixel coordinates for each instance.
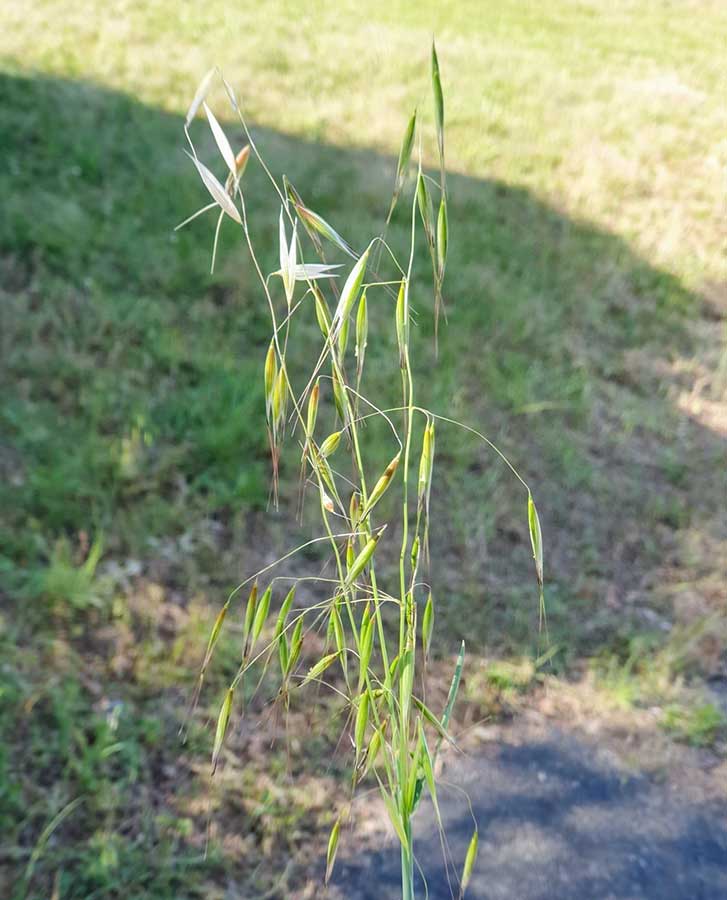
(395, 736)
(67, 585)
(698, 725)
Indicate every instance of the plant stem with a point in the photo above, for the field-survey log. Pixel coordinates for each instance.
(407, 865)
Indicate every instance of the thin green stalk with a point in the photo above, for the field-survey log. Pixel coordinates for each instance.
(407, 865)
(353, 429)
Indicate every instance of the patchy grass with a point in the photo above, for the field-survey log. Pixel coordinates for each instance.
(700, 725)
(586, 336)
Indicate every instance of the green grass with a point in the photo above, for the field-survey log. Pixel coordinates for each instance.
(586, 151)
(699, 725)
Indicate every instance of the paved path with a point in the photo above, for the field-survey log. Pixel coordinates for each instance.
(558, 823)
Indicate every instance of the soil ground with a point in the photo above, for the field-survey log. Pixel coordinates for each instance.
(559, 816)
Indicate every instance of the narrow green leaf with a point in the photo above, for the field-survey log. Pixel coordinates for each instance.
(416, 795)
(394, 817)
(434, 722)
(428, 768)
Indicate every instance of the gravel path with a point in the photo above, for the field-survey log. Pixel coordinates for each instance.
(558, 822)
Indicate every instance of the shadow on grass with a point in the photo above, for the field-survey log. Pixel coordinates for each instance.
(133, 398)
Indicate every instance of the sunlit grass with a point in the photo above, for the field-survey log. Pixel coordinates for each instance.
(586, 158)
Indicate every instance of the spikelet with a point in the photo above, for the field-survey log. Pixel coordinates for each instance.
(332, 849)
(319, 668)
(426, 210)
(312, 415)
(438, 103)
(261, 614)
(271, 372)
(359, 564)
(339, 396)
(442, 237)
(354, 510)
(381, 486)
(362, 721)
(280, 401)
(330, 445)
(469, 862)
(249, 619)
(350, 292)
(427, 626)
(402, 165)
(367, 646)
(316, 223)
(223, 719)
(362, 335)
(241, 161)
(323, 317)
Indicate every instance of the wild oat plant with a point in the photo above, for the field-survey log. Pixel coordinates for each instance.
(395, 735)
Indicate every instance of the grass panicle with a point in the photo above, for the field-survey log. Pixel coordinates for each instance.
(388, 720)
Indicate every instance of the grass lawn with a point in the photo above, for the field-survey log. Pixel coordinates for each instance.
(587, 145)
